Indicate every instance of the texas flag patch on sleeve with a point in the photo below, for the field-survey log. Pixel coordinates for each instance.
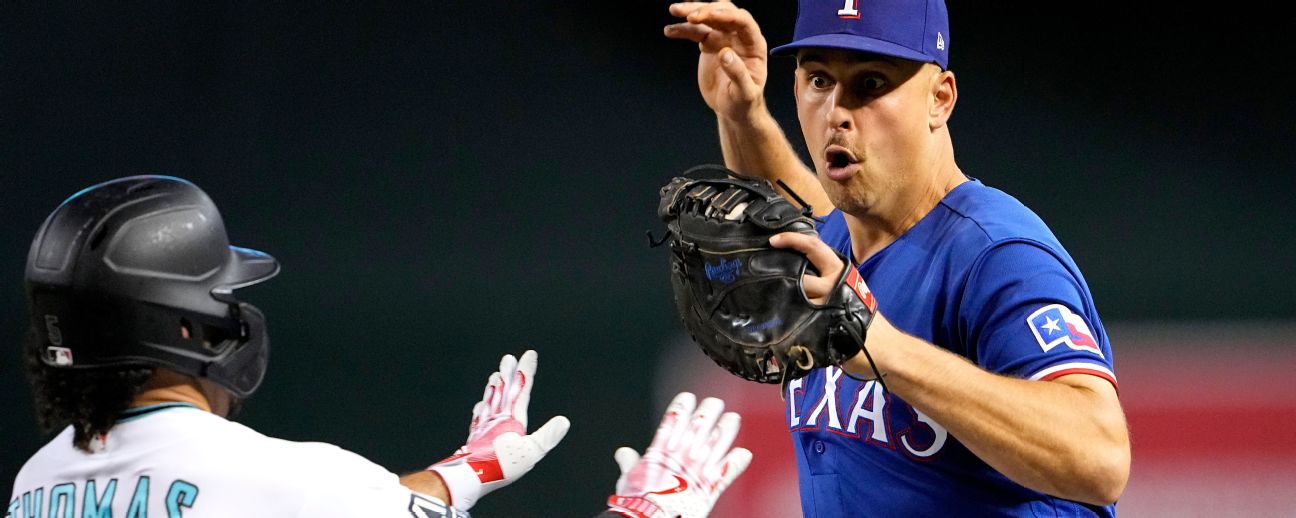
(1055, 324)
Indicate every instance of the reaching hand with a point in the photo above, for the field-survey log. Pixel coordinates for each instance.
(498, 451)
(733, 56)
(686, 467)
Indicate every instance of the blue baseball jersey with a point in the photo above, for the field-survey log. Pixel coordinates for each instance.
(983, 277)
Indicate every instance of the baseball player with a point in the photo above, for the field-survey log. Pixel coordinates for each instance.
(992, 389)
(141, 351)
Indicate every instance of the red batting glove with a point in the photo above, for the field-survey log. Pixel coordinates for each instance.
(498, 451)
(686, 467)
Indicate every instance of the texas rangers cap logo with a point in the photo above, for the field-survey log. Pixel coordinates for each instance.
(1055, 324)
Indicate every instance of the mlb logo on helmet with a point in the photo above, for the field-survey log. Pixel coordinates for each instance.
(1055, 324)
(916, 30)
(59, 356)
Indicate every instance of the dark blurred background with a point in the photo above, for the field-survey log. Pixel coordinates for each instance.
(446, 182)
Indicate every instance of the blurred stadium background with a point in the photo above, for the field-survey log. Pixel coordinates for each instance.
(448, 181)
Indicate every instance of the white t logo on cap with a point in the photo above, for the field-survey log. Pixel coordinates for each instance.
(940, 42)
(850, 10)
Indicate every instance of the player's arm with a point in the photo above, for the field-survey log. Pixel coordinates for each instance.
(427, 483)
(732, 70)
(1066, 437)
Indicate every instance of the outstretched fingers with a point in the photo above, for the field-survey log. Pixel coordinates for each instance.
(683, 9)
(694, 32)
(727, 18)
(702, 19)
(524, 379)
(494, 393)
(626, 458)
(697, 439)
(508, 373)
(734, 464)
(551, 433)
(673, 421)
(723, 436)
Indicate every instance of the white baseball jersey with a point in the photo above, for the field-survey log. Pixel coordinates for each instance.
(174, 460)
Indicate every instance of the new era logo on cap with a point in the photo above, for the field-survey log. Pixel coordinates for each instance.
(917, 30)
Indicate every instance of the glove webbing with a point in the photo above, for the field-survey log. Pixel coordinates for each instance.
(710, 202)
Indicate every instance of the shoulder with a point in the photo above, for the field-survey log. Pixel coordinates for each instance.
(1014, 241)
(997, 247)
(988, 228)
(236, 446)
(306, 459)
(55, 454)
(996, 214)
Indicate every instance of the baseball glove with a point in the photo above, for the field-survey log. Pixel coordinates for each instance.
(740, 299)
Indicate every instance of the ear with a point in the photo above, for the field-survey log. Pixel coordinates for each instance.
(944, 93)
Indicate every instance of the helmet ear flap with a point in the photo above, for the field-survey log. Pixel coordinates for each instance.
(243, 369)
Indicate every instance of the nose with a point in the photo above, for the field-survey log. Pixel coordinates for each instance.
(838, 114)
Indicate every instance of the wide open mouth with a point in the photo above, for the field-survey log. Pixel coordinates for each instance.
(838, 157)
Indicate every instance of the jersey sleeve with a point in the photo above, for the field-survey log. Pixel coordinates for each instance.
(1024, 313)
(347, 485)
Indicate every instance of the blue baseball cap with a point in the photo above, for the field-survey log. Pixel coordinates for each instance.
(916, 30)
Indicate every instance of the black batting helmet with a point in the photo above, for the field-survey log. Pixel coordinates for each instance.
(139, 271)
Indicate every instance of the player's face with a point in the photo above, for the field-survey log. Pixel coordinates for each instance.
(865, 122)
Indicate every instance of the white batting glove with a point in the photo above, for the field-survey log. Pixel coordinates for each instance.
(686, 467)
(498, 451)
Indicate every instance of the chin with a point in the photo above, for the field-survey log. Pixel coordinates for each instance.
(851, 195)
(845, 198)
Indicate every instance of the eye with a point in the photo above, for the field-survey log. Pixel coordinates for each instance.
(819, 82)
(871, 84)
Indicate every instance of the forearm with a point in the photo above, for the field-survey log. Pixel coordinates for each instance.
(1063, 437)
(758, 147)
(427, 483)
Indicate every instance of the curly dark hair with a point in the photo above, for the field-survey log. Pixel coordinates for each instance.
(91, 400)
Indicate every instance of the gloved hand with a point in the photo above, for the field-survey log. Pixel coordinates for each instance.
(498, 451)
(686, 467)
(746, 299)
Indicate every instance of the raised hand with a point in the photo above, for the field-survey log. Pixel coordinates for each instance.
(733, 56)
(687, 466)
(498, 451)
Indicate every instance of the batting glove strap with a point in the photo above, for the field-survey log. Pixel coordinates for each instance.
(689, 504)
(633, 507)
(462, 481)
